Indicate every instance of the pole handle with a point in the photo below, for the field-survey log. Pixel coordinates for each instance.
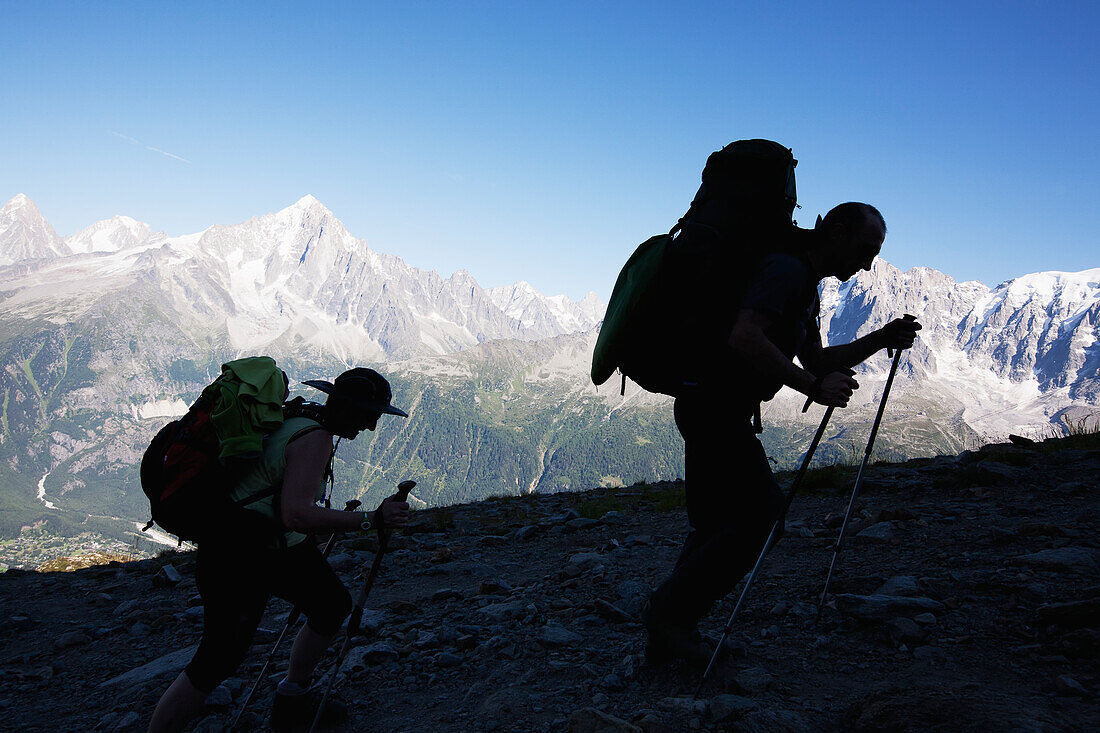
(908, 317)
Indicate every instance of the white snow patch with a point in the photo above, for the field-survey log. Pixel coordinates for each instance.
(159, 408)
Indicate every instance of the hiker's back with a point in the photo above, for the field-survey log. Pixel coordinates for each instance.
(265, 478)
(674, 302)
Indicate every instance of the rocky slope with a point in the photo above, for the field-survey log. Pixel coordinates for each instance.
(967, 599)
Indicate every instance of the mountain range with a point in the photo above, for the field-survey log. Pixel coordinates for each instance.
(108, 332)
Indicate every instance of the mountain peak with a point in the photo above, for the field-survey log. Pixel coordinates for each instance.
(20, 202)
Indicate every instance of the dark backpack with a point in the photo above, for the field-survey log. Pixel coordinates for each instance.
(187, 476)
(675, 299)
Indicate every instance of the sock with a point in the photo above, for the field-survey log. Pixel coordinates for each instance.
(292, 689)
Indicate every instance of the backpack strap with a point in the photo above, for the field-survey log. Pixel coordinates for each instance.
(757, 423)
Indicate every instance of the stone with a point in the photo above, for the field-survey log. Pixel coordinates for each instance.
(581, 523)
(167, 577)
(721, 708)
(493, 587)
(446, 594)
(686, 705)
(882, 608)
(168, 664)
(636, 540)
(753, 680)
(426, 640)
(443, 554)
(447, 660)
(219, 699)
(925, 619)
(1081, 559)
(902, 630)
(128, 722)
(774, 721)
(611, 612)
(881, 532)
(107, 722)
(933, 654)
(140, 628)
(591, 720)
(361, 657)
(1066, 685)
(72, 638)
(465, 642)
(900, 585)
(555, 635)
(505, 610)
(1071, 615)
(527, 533)
(613, 517)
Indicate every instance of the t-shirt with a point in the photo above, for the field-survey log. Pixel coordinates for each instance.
(269, 470)
(783, 289)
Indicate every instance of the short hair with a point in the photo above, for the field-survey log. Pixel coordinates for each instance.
(852, 215)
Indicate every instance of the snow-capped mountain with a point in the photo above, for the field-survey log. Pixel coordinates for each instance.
(108, 332)
(296, 276)
(109, 235)
(1011, 355)
(26, 235)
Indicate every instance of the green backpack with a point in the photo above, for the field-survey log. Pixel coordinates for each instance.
(670, 311)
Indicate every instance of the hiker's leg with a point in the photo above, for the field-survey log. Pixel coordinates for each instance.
(307, 581)
(705, 484)
(751, 504)
(732, 501)
(232, 608)
(179, 704)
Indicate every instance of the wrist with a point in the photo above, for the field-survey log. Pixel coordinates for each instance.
(814, 390)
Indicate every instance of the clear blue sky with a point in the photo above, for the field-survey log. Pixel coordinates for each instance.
(543, 141)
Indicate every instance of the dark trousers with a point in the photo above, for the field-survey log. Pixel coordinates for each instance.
(236, 576)
(732, 503)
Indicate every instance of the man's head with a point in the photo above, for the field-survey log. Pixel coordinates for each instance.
(356, 399)
(853, 234)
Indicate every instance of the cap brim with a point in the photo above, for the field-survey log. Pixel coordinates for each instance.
(330, 388)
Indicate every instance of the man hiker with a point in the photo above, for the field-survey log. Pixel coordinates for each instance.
(732, 498)
(269, 550)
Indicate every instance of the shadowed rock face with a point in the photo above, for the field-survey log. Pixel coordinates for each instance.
(981, 613)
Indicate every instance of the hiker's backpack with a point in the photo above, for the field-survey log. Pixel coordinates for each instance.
(675, 299)
(193, 463)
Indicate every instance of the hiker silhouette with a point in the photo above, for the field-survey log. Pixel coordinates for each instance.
(732, 497)
(268, 549)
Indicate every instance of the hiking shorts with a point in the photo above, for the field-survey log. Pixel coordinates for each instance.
(236, 579)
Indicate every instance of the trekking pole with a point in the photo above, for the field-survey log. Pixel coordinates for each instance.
(295, 614)
(356, 617)
(772, 539)
(859, 476)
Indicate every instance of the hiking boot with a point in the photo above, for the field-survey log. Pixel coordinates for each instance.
(296, 712)
(668, 641)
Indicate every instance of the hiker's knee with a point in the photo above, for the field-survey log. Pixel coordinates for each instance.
(205, 672)
(327, 618)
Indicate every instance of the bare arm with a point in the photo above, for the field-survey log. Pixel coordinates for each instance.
(306, 459)
(898, 334)
(751, 344)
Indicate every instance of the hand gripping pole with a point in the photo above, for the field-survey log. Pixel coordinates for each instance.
(356, 617)
(859, 476)
(772, 539)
